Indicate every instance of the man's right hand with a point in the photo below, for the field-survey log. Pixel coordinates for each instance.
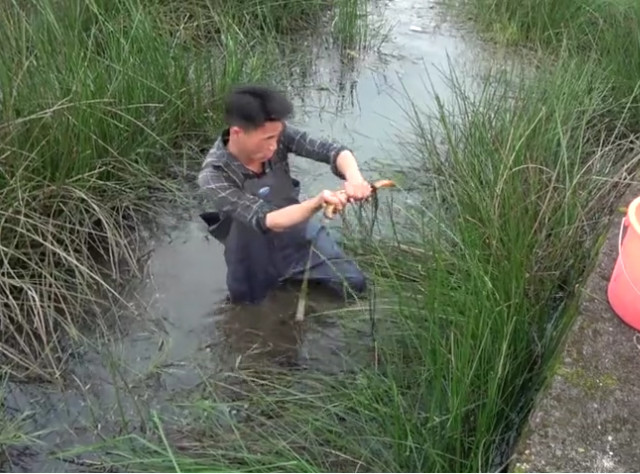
(282, 219)
(338, 199)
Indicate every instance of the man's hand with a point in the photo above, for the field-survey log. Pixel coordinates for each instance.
(337, 199)
(286, 217)
(355, 186)
(357, 189)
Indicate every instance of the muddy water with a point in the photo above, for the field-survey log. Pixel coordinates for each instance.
(182, 332)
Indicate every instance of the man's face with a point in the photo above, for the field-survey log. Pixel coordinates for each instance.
(260, 144)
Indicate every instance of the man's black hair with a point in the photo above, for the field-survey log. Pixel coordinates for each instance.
(251, 106)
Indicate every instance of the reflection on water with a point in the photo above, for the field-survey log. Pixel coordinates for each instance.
(256, 335)
(267, 334)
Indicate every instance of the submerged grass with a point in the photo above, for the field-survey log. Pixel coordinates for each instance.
(479, 291)
(98, 101)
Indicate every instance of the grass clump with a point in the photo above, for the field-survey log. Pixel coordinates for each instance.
(350, 25)
(205, 21)
(608, 31)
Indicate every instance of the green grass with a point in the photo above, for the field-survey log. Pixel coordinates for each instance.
(473, 312)
(267, 20)
(606, 30)
(98, 101)
(478, 286)
(350, 24)
(475, 292)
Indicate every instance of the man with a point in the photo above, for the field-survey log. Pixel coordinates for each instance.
(267, 232)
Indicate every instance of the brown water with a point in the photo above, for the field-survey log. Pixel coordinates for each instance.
(181, 332)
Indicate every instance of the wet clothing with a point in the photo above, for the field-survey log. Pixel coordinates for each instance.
(257, 258)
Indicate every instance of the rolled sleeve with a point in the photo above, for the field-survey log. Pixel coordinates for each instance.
(229, 198)
(299, 142)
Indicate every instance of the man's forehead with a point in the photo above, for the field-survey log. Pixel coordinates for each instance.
(270, 128)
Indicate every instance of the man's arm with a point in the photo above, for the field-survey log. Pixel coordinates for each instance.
(294, 214)
(340, 158)
(348, 166)
(230, 199)
(300, 143)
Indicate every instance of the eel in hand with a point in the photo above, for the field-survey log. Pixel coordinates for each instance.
(330, 209)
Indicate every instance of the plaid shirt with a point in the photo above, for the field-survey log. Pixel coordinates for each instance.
(222, 176)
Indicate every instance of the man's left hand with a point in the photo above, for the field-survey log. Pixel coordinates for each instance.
(357, 189)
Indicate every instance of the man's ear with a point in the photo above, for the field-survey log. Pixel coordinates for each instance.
(235, 131)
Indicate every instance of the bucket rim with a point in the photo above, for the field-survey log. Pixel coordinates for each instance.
(632, 214)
